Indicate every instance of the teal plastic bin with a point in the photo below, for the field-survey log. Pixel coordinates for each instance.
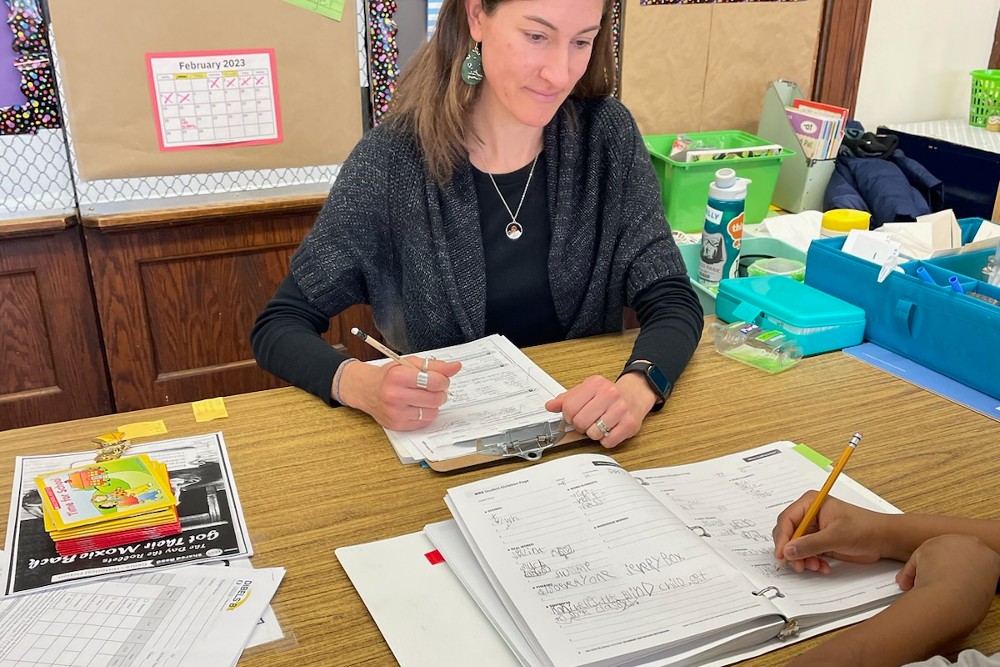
(951, 333)
(685, 184)
(752, 248)
(816, 321)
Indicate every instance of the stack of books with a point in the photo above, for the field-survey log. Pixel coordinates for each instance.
(818, 126)
(108, 504)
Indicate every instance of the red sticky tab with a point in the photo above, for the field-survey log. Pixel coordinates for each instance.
(434, 557)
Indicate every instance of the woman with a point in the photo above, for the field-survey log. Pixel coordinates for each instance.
(504, 193)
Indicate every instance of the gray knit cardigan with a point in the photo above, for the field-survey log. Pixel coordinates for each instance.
(390, 237)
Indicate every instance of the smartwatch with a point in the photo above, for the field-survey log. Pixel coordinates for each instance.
(655, 378)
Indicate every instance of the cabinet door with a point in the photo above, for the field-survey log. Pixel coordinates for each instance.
(177, 302)
(50, 351)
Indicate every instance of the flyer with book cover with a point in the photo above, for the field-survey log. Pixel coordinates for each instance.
(200, 478)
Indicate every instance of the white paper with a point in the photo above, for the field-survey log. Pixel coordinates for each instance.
(797, 229)
(184, 617)
(421, 607)
(499, 388)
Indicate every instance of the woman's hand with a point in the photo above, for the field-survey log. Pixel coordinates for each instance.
(391, 395)
(840, 530)
(617, 406)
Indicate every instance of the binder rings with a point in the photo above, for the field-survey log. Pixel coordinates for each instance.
(802, 181)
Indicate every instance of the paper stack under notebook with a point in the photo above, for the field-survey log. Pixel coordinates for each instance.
(108, 504)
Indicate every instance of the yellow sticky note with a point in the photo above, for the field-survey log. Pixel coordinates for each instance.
(140, 429)
(209, 409)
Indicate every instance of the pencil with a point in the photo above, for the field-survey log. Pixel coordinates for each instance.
(817, 502)
(386, 350)
(382, 348)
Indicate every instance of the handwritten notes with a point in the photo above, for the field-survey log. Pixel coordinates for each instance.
(592, 562)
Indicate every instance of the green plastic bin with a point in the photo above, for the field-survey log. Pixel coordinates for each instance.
(685, 184)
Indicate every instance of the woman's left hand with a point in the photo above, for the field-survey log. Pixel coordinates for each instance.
(618, 407)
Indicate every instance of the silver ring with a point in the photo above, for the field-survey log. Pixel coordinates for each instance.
(420, 414)
(422, 379)
(602, 427)
(427, 363)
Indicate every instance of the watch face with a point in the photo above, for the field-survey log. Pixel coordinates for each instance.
(660, 380)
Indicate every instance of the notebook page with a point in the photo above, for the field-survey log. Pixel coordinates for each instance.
(734, 501)
(592, 568)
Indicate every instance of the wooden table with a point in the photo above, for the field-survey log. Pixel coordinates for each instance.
(312, 479)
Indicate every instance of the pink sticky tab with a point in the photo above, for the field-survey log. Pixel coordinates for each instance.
(434, 557)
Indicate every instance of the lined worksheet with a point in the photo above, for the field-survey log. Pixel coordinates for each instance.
(732, 502)
(499, 388)
(594, 569)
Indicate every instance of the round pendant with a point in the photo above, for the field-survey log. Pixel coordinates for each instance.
(514, 230)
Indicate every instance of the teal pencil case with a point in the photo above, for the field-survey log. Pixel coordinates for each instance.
(816, 321)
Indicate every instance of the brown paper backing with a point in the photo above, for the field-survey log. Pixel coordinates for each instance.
(102, 47)
(695, 68)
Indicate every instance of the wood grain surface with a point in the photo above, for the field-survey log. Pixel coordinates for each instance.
(313, 478)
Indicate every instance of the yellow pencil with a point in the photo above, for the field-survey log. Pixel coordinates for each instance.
(817, 502)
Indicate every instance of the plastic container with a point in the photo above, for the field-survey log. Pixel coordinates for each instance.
(840, 221)
(954, 334)
(770, 351)
(752, 248)
(778, 266)
(985, 100)
(817, 321)
(720, 239)
(685, 184)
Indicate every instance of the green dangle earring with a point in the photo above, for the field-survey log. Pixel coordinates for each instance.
(472, 67)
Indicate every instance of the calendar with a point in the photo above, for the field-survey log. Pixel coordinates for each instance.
(214, 98)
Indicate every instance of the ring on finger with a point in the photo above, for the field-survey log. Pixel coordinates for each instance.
(427, 363)
(420, 414)
(422, 378)
(602, 427)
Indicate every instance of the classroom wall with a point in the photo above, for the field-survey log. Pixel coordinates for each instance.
(918, 56)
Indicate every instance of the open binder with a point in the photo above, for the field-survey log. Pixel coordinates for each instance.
(802, 181)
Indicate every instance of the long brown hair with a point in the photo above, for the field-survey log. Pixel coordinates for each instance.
(432, 102)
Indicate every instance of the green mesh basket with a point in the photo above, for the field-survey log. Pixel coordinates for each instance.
(985, 96)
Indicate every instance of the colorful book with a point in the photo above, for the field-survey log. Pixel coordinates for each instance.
(100, 496)
(706, 154)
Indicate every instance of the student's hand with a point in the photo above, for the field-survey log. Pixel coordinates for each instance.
(840, 530)
(390, 394)
(620, 406)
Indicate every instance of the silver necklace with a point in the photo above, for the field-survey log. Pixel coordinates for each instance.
(514, 228)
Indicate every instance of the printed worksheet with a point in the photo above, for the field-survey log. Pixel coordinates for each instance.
(208, 98)
(190, 616)
(498, 389)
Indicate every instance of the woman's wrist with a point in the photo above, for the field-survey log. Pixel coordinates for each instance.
(336, 392)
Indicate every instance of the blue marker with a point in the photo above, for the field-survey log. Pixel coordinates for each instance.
(956, 285)
(922, 273)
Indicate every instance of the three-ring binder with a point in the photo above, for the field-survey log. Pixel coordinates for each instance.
(791, 627)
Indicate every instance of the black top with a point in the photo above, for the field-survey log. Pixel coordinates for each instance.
(518, 295)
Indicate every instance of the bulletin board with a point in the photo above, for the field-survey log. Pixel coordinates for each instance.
(702, 67)
(102, 47)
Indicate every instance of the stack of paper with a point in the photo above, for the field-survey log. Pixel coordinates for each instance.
(108, 504)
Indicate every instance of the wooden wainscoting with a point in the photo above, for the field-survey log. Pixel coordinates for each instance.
(178, 290)
(51, 363)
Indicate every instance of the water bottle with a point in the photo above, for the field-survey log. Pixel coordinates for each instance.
(770, 350)
(720, 240)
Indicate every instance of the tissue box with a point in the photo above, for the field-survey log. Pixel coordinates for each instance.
(954, 334)
(817, 321)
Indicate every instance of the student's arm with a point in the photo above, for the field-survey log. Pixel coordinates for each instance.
(950, 581)
(847, 532)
